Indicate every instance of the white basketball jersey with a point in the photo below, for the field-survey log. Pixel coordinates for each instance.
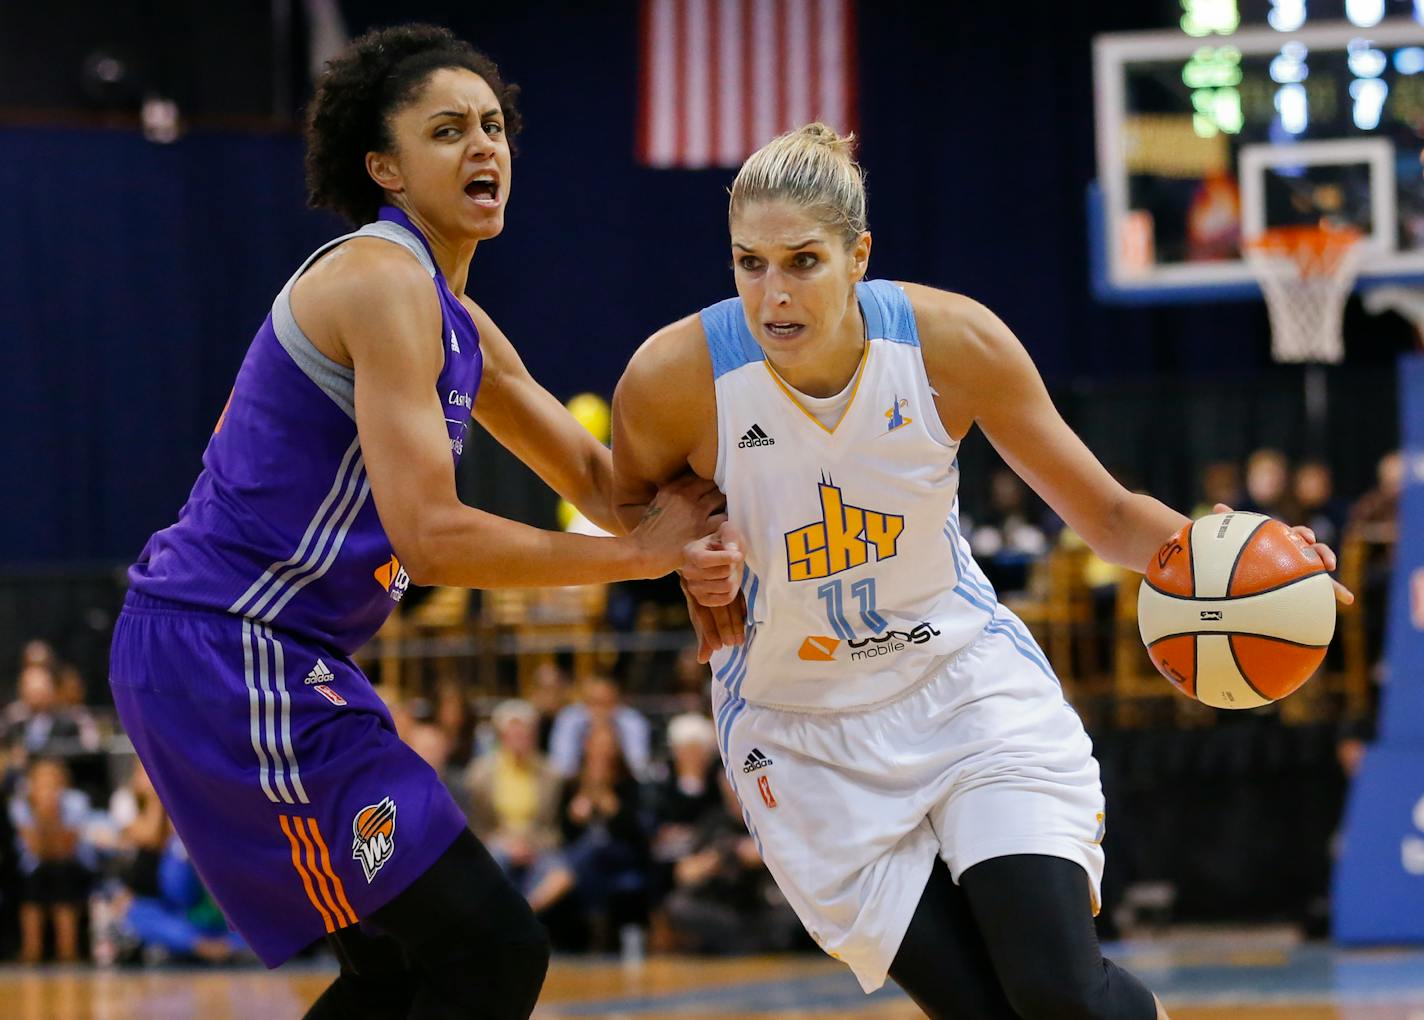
(858, 582)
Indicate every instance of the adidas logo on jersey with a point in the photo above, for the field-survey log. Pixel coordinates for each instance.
(320, 674)
(454, 344)
(755, 760)
(756, 437)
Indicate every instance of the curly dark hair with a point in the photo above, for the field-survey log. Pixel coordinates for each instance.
(349, 116)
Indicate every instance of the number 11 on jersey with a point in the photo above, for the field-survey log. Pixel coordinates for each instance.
(863, 591)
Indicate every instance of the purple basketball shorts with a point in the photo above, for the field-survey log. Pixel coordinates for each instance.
(281, 769)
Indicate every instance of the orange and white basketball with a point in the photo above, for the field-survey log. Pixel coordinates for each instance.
(1236, 610)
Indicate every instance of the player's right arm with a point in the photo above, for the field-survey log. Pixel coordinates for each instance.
(372, 306)
(665, 425)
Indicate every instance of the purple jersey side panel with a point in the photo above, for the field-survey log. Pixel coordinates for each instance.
(280, 527)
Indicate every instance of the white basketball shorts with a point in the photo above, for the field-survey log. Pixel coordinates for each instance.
(984, 758)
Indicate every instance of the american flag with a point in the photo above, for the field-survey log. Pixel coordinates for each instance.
(720, 78)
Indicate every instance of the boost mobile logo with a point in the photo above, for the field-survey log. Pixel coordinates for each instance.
(890, 642)
(819, 648)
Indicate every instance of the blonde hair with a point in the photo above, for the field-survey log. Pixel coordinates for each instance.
(811, 167)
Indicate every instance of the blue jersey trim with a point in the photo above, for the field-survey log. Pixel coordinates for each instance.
(888, 313)
(728, 339)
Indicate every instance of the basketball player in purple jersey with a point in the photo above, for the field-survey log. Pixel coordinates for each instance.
(327, 487)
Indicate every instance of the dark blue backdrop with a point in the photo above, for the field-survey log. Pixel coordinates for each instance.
(133, 275)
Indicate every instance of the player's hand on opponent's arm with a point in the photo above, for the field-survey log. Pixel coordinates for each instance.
(712, 566)
(711, 581)
(716, 627)
(684, 510)
(1343, 595)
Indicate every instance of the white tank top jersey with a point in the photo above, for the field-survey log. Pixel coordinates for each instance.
(858, 582)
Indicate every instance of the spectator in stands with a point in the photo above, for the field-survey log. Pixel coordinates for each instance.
(433, 745)
(152, 906)
(1011, 536)
(600, 704)
(689, 680)
(605, 836)
(1314, 490)
(685, 794)
(1374, 523)
(137, 831)
(548, 693)
(1376, 513)
(36, 724)
(452, 715)
(1268, 485)
(1220, 483)
(70, 695)
(514, 799)
(723, 898)
(181, 921)
(404, 713)
(38, 652)
(50, 819)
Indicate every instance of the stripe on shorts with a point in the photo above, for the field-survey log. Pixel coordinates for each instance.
(324, 877)
(284, 735)
(288, 825)
(330, 872)
(313, 863)
(254, 711)
(270, 715)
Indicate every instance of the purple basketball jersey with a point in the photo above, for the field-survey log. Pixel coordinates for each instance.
(280, 527)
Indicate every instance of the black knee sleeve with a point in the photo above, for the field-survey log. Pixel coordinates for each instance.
(942, 963)
(1035, 914)
(470, 938)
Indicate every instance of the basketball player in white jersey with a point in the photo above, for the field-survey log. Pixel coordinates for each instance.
(915, 780)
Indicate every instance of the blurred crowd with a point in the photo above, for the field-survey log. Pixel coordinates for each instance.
(623, 834)
(89, 867)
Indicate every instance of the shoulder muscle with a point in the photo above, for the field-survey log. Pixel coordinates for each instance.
(369, 297)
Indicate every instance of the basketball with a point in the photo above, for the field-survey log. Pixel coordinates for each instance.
(1236, 610)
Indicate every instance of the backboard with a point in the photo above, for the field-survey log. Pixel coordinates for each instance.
(1204, 141)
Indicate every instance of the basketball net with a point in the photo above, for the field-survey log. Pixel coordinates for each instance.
(1306, 273)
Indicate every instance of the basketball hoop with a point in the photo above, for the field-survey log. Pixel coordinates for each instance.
(1306, 273)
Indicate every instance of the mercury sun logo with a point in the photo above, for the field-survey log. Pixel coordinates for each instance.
(374, 831)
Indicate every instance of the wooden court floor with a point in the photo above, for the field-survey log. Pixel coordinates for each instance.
(1240, 982)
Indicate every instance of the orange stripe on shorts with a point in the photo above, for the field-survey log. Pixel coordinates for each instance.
(302, 871)
(321, 885)
(330, 873)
